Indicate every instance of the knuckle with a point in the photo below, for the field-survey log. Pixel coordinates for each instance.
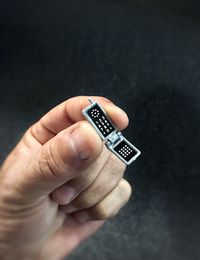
(51, 161)
(48, 163)
(84, 181)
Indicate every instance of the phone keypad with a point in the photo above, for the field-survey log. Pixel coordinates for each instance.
(106, 129)
(100, 120)
(125, 150)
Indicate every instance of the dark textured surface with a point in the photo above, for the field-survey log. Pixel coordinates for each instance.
(145, 56)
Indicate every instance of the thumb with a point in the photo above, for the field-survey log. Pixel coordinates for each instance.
(62, 158)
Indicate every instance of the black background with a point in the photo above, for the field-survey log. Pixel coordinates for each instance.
(143, 55)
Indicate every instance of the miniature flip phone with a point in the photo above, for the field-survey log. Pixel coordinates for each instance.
(114, 140)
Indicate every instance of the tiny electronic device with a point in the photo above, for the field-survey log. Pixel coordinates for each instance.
(114, 140)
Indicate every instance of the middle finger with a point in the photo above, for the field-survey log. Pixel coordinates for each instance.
(106, 181)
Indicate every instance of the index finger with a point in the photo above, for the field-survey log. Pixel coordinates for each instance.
(69, 112)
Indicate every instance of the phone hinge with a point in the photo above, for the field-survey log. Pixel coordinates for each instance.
(114, 137)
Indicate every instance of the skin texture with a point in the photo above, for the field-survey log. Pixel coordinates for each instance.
(59, 184)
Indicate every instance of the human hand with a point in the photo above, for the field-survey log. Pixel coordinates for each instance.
(59, 184)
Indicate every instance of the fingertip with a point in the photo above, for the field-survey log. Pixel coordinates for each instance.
(117, 115)
(125, 188)
(75, 105)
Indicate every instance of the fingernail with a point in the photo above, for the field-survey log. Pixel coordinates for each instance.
(69, 193)
(79, 144)
(68, 208)
(82, 217)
